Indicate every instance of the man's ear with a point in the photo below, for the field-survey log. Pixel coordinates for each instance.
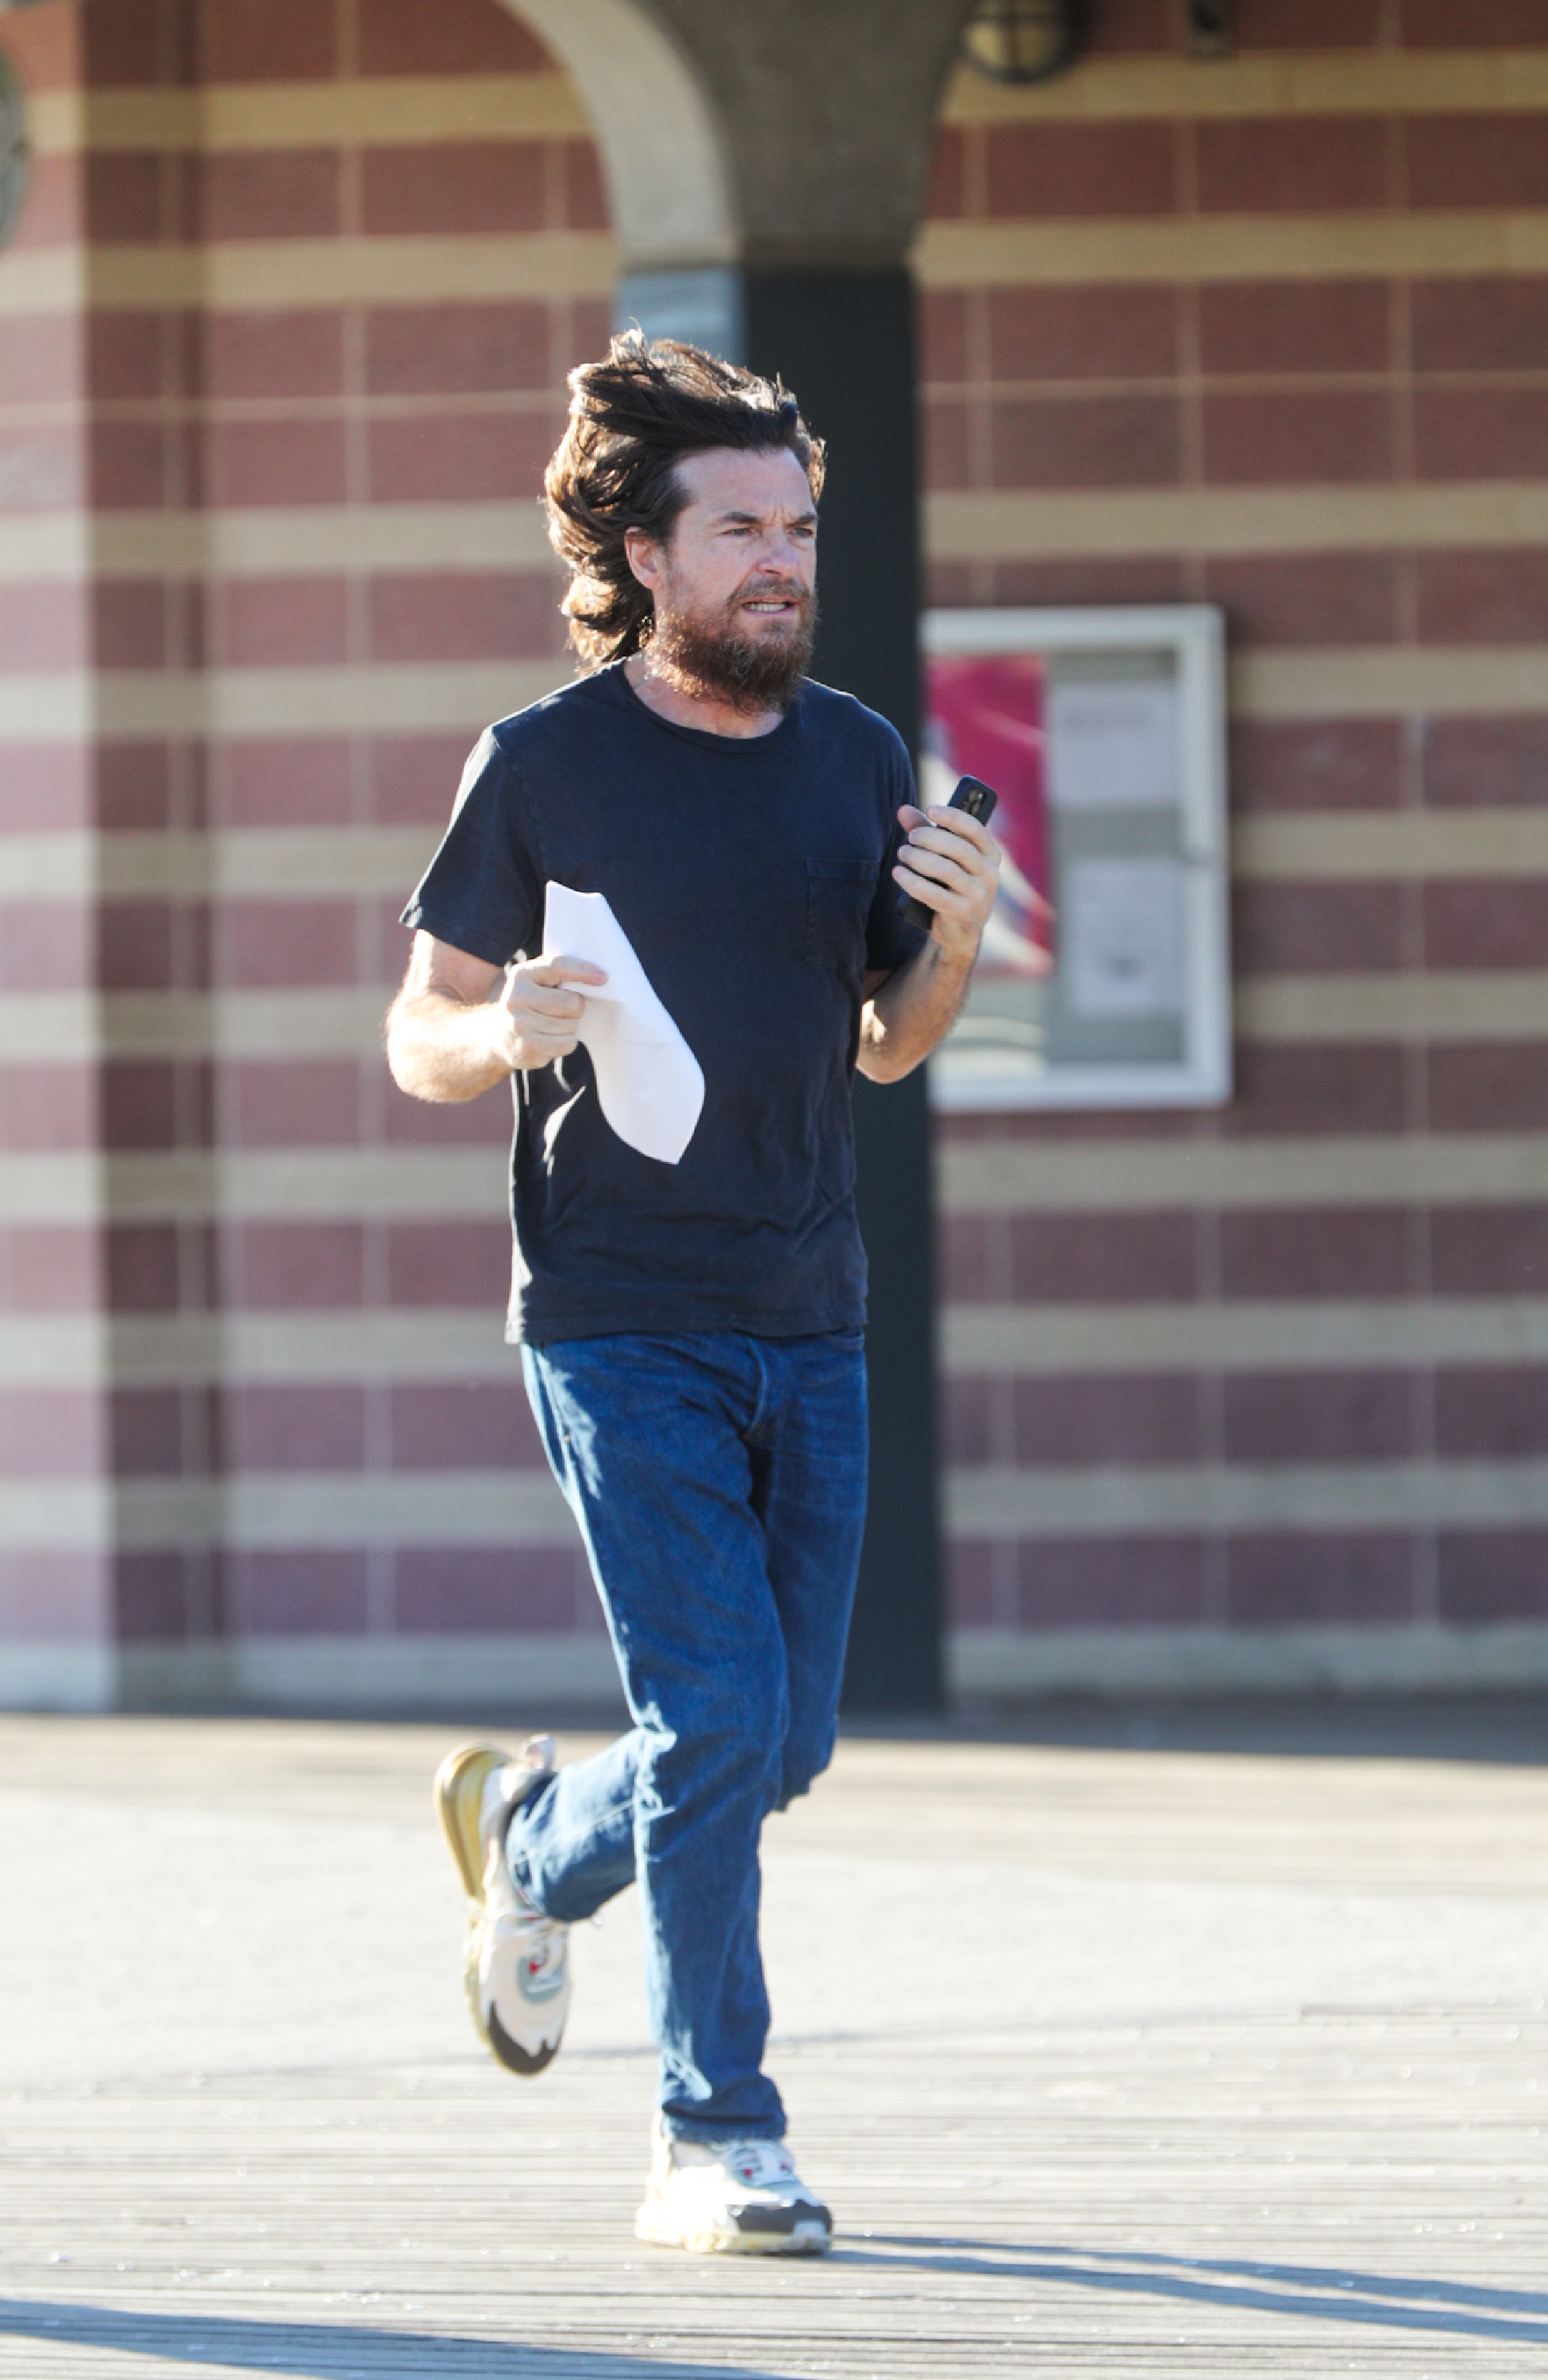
(643, 555)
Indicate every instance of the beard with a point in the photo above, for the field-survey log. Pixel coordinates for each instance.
(711, 658)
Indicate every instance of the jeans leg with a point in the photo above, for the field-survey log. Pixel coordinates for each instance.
(648, 1438)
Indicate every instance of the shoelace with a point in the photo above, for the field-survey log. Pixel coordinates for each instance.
(763, 2165)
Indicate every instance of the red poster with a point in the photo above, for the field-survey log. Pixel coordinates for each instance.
(984, 719)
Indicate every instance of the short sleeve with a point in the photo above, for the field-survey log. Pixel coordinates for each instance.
(482, 891)
(890, 939)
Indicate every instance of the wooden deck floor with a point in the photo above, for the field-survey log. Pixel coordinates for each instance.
(1110, 2061)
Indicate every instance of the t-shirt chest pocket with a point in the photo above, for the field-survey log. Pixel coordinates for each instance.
(839, 897)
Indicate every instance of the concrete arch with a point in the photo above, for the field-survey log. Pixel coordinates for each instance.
(666, 169)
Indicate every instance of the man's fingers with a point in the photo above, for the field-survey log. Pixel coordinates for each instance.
(535, 1000)
(944, 819)
(555, 968)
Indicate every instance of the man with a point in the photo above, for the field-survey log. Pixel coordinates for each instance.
(690, 1332)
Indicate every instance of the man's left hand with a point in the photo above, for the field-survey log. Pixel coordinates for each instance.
(951, 864)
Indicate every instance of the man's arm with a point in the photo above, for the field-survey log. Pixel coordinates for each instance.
(447, 1039)
(951, 864)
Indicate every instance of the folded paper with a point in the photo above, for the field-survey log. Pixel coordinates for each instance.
(649, 1082)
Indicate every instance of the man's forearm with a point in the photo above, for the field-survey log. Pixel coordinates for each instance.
(443, 1048)
(914, 1010)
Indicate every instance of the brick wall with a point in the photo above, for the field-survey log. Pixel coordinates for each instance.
(1273, 333)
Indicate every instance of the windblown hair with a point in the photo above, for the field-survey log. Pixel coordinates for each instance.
(631, 419)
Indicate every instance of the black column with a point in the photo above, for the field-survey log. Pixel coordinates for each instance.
(843, 342)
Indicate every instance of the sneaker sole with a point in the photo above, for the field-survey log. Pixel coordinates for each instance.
(805, 2239)
(457, 1792)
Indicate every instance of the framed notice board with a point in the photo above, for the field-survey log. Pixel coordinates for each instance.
(1104, 977)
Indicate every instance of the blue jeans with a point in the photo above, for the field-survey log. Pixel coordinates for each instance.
(719, 1482)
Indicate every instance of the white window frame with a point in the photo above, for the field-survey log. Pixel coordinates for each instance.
(1194, 632)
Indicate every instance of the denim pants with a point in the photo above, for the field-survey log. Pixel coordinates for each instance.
(719, 1481)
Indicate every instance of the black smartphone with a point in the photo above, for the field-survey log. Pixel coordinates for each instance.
(978, 799)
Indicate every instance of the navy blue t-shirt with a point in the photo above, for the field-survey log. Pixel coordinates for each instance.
(754, 876)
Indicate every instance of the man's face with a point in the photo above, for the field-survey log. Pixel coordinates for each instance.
(735, 586)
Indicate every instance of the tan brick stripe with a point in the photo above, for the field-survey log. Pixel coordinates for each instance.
(1192, 249)
(256, 273)
(1339, 82)
(993, 1503)
(405, 110)
(1014, 524)
(1332, 1334)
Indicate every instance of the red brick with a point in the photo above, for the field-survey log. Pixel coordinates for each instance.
(1147, 578)
(156, 1597)
(1294, 326)
(271, 194)
(1488, 1410)
(1306, 598)
(49, 1267)
(426, 1124)
(946, 422)
(454, 187)
(1485, 1251)
(284, 41)
(585, 207)
(295, 1428)
(49, 1106)
(1117, 333)
(445, 1590)
(1086, 441)
(135, 946)
(124, 198)
(134, 786)
(51, 1433)
(1503, 25)
(292, 1103)
(1481, 433)
(1317, 928)
(287, 944)
(54, 209)
(277, 463)
(122, 46)
(1308, 25)
(1291, 164)
(944, 195)
(464, 615)
(942, 323)
(268, 623)
(314, 1593)
(1493, 1574)
(415, 778)
(44, 626)
(582, 330)
(1315, 1252)
(129, 466)
(1497, 322)
(293, 1265)
(287, 781)
(140, 1103)
(461, 457)
(1493, 597)
(453, 348)
(296, 353)
(1487, 1087)
(1491, 762)
(1292, 438)
(44, 788)
(1127, 28)
(45, 946)
(971, 1599)
(1104, 1418)
(1133, 1581)
(456, 37)
(143, 1273)
(1353, 764)
(449, 1264)
(976, 1424)
(452, 1426)
(148, 1433)
(1317, 1416)
(40, 360)
(123, 353)
(129, 618)
(1319, 1578)
(1477, 161)
(1283, 1086)
(1486, 922)
(1061, 1259)
(1081, 169)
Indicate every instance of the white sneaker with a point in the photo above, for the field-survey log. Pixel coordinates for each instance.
(515, 1971)
(744, 2197)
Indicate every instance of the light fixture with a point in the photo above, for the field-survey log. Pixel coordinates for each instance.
(13, 151)
(1022, 40)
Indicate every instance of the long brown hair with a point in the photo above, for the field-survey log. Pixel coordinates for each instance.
(631, 418)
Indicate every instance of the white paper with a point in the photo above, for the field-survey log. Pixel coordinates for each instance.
(1112, 745)
(649, 1082)
(1122, 937)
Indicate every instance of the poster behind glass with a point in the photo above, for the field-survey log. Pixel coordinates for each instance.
(1102, 979)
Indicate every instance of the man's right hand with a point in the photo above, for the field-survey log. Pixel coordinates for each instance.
(537, 1016)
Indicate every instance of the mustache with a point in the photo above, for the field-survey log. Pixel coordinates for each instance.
(788, 590)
